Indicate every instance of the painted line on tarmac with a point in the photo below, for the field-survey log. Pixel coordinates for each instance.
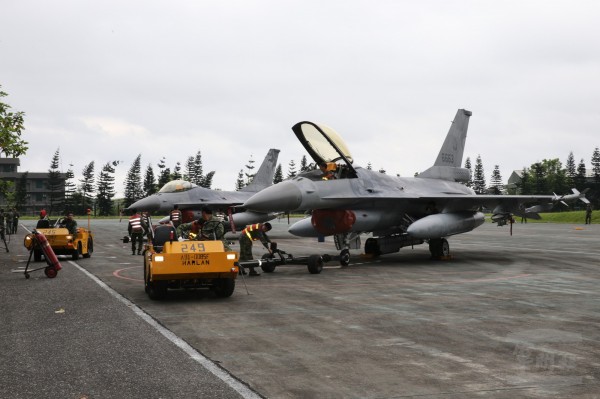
(217, 371)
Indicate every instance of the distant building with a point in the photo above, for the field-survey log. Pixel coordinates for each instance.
(36, 186)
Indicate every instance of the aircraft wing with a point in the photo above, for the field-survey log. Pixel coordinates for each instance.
(208, 203)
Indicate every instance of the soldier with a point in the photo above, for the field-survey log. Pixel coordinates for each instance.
(15, 220)
(43, 222)
(70, 223)
(191, 230)
(136, 231)
(251, 233)
(213, 228)
(588, 214)
(175, 216)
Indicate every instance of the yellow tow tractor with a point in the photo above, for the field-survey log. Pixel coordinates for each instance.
(65, 243)
(173, 264)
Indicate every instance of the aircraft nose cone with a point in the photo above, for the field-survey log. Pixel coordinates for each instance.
(284, 196)
(151, 203)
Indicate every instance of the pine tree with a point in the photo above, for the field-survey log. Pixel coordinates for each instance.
(479, 177)
(250, 167)
(303, 164)
(381, 170)
(496, 181)
(524, 185)
(176, 175)
(190, 170)
(133, 183)
(469, 183)
(596, 165)
(291, 169)
(164, 176)
(580, 179)
(56, 188)
(278, 177)
(199, 178)
(239, 183)
(149, 186)
(369, 166)
(207, 180)
(70, 189)
(571, 170)
(106, 188)
(87, 187)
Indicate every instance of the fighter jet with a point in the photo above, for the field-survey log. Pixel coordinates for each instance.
(348, 200)
(192, 198)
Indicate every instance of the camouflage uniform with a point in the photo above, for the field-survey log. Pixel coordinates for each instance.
(251, 233)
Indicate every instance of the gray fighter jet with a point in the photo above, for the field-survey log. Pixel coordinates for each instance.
(192, 198)
(348, 200)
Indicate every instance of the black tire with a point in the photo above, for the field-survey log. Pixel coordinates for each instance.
(76, 252)
(315, 264)
(37, 255)
(146, 288)
(90, 248)
(224, 287)
(157, 290)
(345, 257)
(439, 248)
(267, 268)
(372, 247)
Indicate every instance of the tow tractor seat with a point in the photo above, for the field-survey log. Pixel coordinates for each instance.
(162, 234)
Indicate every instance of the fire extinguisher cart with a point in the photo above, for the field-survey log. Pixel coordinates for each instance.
(36, 241)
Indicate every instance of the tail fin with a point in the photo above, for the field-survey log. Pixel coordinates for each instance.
(264, 177)
(447, 165)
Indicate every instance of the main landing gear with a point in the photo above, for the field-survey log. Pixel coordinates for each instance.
(439, 248)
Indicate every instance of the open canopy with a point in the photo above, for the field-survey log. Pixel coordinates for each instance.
(323, 143)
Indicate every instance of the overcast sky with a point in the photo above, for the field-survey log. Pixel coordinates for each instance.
(108, 80)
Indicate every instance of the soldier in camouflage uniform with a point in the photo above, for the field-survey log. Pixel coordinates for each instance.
(251, 233)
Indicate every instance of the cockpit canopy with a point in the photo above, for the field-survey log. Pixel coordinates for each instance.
(324, 145)
(177, 186)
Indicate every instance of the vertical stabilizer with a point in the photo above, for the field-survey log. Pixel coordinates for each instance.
(264, 177)
(451, 153)
(447, 165)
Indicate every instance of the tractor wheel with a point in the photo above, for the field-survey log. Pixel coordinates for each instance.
(224, 287)
(90, 248)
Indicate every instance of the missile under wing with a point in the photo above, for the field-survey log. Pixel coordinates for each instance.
(399, 211)
(191, 198)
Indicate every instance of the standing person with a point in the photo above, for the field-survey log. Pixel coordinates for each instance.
(146, 224)
(9, 222)
(15, 220)
(175, 216)
(136, 231)
(588, 214)
(251, 233)
(2, 216)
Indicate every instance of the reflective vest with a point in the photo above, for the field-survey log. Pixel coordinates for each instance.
(136, 223)
(175, 215)
(249, 229)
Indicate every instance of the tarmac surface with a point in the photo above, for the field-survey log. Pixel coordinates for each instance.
(505, 317)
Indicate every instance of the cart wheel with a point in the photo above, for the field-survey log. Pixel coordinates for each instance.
(76, 252)
(27, 276)
(157, 290)
(267, 268)
(50, 272)
(345, 257)
(315, 264)
(224, 287)
(90, 248)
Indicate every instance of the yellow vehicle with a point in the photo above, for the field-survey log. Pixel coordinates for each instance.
(172, 264)
(65, 243)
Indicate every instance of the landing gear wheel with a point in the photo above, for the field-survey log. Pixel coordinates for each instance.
(315, 264)
(267, 268)
(224, 287)
(90, 248)
(50, 272)
(372, 247)
(345, 257)
(439, 248)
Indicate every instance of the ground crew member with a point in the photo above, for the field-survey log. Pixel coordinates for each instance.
(9, 222)
(136, 231)
(15, 220)
(146, 224)
(251, 233)
(588, 214)
(175, 216)
(213, 228)
(191, 230)
(43, 222)
(70, 223)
